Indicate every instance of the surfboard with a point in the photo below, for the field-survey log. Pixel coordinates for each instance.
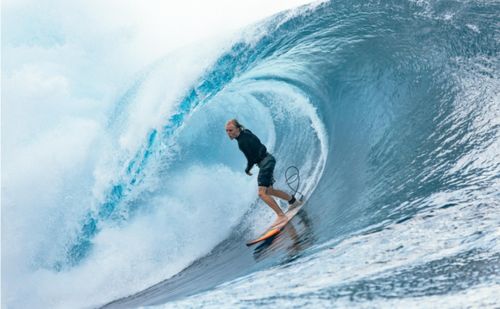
(275, 230)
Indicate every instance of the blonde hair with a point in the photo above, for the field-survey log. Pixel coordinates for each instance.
(237, 124)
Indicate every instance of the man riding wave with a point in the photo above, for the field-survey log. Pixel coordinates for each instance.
(256, 153)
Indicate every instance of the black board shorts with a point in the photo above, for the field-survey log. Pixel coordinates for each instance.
(266, 170)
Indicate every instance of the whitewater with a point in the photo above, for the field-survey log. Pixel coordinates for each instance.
(121, 189)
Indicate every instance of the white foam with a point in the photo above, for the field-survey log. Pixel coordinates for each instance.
(198, 209)
(64, 64)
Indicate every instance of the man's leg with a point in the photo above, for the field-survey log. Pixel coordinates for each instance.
(263, 194)
(278, 193)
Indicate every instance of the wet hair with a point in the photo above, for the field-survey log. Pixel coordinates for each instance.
(237, 124)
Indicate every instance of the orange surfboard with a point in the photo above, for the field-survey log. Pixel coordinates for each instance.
(275, 230)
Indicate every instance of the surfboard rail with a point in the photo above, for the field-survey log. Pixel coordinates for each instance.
(275, 230)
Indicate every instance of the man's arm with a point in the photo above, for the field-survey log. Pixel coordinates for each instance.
(249, 167)
(249, 146)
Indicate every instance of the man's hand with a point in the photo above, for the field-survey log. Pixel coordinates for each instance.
(248, 172)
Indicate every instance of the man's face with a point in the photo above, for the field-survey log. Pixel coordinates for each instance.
(232, 131)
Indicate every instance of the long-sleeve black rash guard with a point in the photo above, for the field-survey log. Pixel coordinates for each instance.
(251, 146)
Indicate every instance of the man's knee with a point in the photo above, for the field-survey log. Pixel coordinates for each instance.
(262, 192)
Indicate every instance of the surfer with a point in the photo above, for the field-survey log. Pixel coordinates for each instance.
(256, 153)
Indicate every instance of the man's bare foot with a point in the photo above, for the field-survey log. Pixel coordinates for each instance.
(280, 220)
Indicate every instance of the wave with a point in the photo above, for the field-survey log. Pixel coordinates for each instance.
(388, 109)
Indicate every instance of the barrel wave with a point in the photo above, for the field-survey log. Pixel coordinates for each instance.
(389, 109)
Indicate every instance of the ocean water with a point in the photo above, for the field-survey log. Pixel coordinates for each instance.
(391, 112)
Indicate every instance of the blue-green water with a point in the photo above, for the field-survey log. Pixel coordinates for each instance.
(391, 111)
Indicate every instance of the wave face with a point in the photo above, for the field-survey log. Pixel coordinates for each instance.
(389, 109)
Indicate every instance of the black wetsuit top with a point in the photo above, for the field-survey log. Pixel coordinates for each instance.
(251, 146)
